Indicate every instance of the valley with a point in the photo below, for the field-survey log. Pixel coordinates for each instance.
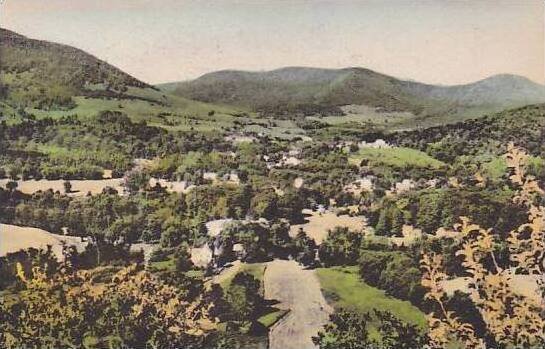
(291, 208)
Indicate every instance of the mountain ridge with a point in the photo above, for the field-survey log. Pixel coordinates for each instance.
(303, 86)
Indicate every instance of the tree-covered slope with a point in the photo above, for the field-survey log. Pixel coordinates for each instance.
(311, 90)
(296, 88)
(46, 75)
(490, 134)
(40, 79)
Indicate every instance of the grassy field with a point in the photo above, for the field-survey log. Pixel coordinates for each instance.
(366, 115)
(174, 114)
(344, 289)
(148, 105)
(167, 265)
(137, 110)
(395, 157)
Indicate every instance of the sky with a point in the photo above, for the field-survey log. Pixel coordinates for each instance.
(440, 41)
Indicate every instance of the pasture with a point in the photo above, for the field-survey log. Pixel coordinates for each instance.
(397, 157)
(343, 288)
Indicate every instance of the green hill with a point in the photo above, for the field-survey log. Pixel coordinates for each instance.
(46, 75)
(44, 79)
(490, 134)
(324, 91)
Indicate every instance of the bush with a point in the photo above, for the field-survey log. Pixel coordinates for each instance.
(394, 272)
(341, 247)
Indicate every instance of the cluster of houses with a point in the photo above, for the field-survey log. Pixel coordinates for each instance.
(377, 144)
(283, 159)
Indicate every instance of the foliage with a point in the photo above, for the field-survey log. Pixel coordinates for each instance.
(511, 319)
(351, 330)
(243, 298)
(306, 248)
(341, 247)
(132, 308)
(26, 261)
(490, 134)
(260, 241)
(430, 209)
(393, 272)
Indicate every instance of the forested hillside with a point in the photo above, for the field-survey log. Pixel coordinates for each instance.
(524, 126)
(323, 91)
(47, 75)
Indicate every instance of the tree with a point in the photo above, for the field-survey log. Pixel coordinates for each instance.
(346, 330)
(305, 248)
(182, 258)
(136, 180)
(129, 309)
(264, 204)
(340, 247)
(11, 185)
(350, 329)
(15, 171)
(243, 298)
(125, 230)
(397, 334)
(397, 221)
(67, 187)
(512, 319)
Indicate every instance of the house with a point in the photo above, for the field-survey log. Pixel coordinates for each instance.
(379, 143)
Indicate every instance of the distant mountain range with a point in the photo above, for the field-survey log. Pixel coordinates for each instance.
(46, 75)
(298, 89)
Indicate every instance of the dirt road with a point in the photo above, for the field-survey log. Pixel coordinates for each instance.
(297, 290)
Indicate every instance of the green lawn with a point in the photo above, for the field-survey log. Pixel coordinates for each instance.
(395, 157)
(343, 288)
(271, 318)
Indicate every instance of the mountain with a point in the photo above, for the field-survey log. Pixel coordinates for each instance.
(310, 90)
(503, 89)
(47, 75)
(43, 79)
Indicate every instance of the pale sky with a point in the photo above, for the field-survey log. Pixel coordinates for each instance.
(441, 41)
